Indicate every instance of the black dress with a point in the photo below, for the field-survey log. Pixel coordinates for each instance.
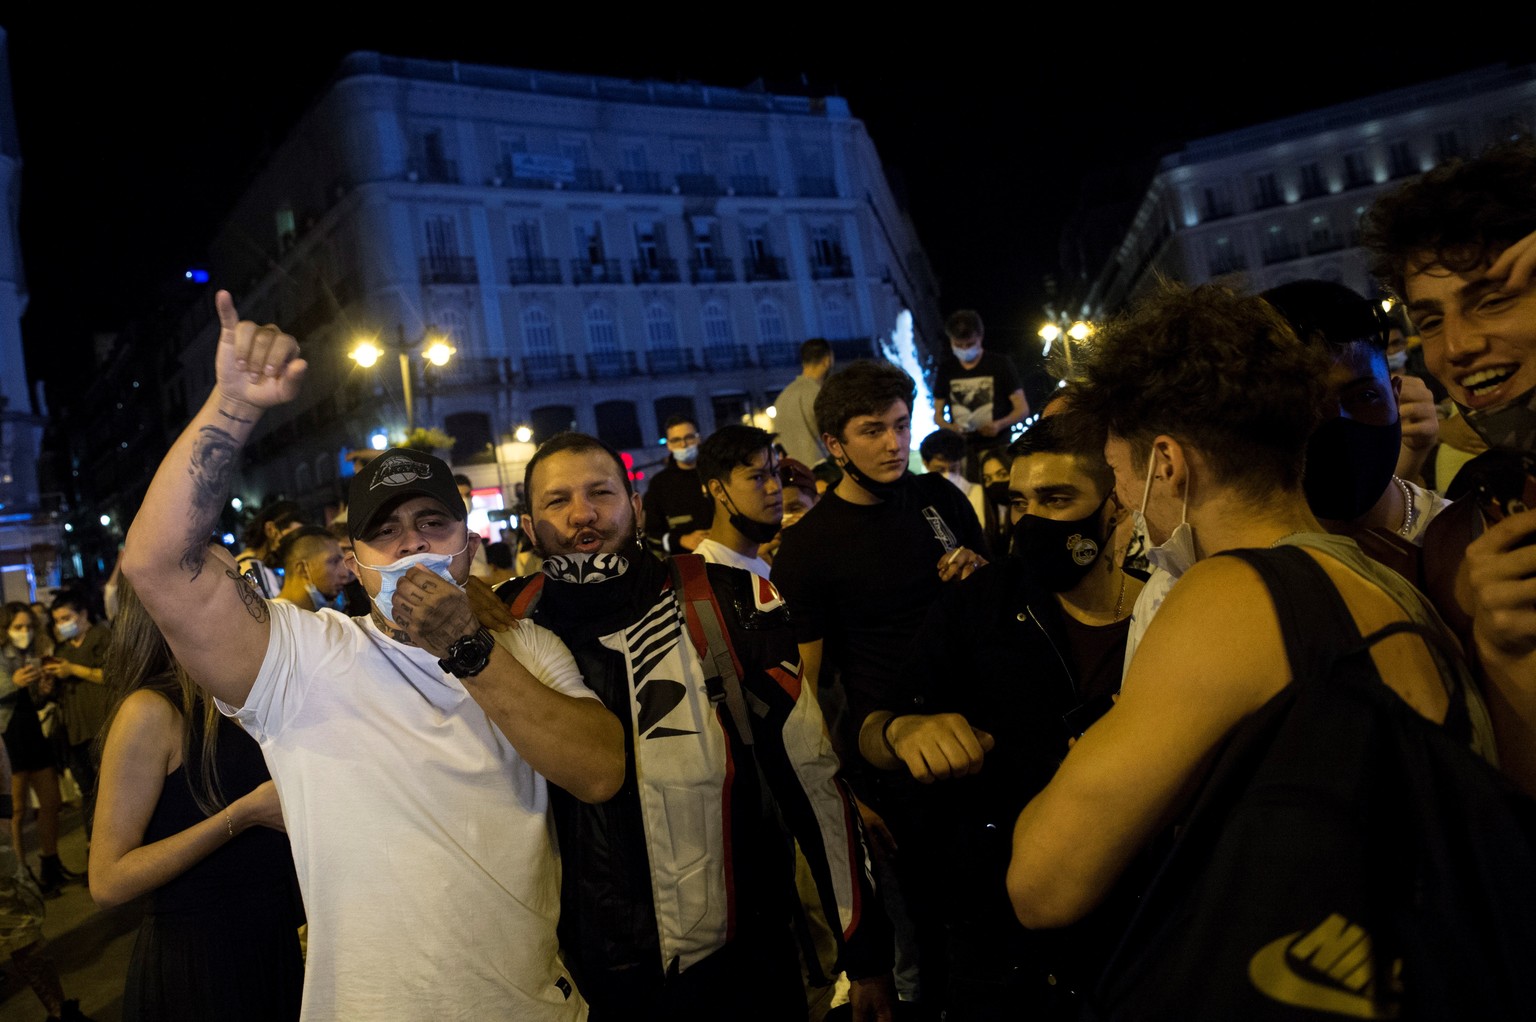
(220, 941)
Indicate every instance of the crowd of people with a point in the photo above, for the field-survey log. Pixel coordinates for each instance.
(1209, 693)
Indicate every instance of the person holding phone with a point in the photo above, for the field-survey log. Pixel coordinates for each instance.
(23, 686)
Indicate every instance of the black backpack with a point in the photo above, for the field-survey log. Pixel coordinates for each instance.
(1345, 857)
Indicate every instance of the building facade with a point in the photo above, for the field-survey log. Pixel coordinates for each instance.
(1282, 201)
(28, 529)
(600, 254)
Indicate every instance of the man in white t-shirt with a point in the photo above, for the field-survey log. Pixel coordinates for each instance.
(410, 748)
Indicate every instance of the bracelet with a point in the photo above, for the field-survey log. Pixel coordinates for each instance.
(885, 734)
(229, 823)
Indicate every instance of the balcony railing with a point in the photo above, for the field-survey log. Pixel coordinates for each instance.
(715, 271)
(750, 185)
(472, 371)
(727, 356)
(604, 271)
(611, 365)
(533, 271)
(764, 268)
(847, 349)
(670, 361)
(545, 368)
(654, 271)
(436, 169)
(1232, 263)
(589, 179)
(773, 356)
(831, 268)
(698, 184)
(449, 270)
(645, 182)
(818, 188)
(1280, 252)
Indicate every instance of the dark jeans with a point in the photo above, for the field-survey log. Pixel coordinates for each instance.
(748, 980)
(82, 766)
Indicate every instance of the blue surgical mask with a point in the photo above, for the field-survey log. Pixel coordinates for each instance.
(966, 355)
(1177, 554)
(390, 574)
(68, 631)
(688, 455)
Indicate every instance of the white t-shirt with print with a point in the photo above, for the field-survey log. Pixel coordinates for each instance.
(424, 847)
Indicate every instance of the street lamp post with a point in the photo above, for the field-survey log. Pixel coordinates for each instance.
(1077, 330)
(437, 352)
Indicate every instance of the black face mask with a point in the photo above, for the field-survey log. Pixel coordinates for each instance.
(997, 493)
(1349, 464)
(1058, 554)
(894, 491)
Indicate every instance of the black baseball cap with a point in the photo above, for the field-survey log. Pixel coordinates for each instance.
(393, 476)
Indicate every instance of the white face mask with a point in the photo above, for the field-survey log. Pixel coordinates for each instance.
(21, 638)
(1397, 361)
(688, 455)
(390, 574)
(966, 355)
(1177, 554)
(68, 631)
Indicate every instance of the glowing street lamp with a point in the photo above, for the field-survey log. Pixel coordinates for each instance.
(367, 352)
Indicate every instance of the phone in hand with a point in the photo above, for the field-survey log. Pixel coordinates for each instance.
(1506, 486)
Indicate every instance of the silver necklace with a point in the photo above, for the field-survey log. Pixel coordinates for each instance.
(1407, 505)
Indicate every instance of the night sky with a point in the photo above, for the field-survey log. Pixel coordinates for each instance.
(136, 137)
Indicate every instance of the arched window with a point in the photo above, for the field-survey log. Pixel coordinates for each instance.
(602, 333)
(454, 325)
(770, 323)
(538, 331)
(660, 327)
(835, 321)
(717, 326)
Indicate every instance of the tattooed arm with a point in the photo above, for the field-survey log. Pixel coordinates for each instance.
(214, 620)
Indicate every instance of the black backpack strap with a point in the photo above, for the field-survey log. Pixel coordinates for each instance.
(1315, 622)
(706, 629)
(1319, 630)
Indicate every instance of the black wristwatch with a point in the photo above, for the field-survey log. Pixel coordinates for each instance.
(468, 656)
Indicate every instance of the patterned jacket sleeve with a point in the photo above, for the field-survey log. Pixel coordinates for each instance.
(794, 753)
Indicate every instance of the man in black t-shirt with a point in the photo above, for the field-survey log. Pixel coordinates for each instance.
(976, 393)
(863, 565)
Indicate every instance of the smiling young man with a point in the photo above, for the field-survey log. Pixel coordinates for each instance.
(678, 896)
(1458, 245)
(409, 748)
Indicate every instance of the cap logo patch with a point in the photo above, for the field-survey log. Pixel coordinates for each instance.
(398, 470)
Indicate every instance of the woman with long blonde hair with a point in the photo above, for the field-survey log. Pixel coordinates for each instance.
(188, 815)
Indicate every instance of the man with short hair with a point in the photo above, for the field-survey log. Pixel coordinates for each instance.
(410, 748)
(1008, 668)
(862, 567)
(976, 393)
(85, 698)
(678, 894)
(1458, 245)
(740, 471)
(678, 512)
(795, 407)
(314, 568)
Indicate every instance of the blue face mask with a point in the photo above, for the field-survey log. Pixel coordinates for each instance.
(390, 574)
